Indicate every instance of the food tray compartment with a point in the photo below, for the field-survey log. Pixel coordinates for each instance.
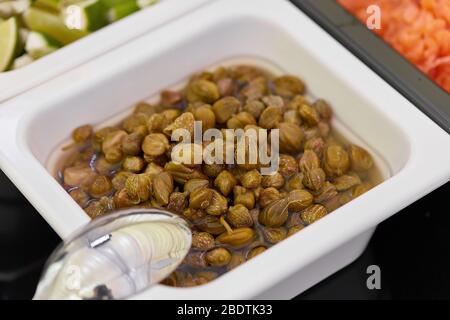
(103, 40)
(369, 110)
(381, 57)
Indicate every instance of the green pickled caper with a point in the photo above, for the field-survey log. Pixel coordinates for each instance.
(336, 160)
(185, 121)
(239, 216)
(155, 144)
(225, 108)
(134, 121)
(213, 170)
(80, 197)
(210, 224)
(288, 86)
(308, 114)
(294, 229)
(241, 120)
(170, 97)
(237, 258)
(225, 182)
(122, 199)
(323, 109)
(313, 213)
(327, 192)
(295, 182)
(153, 169)
(315, 144)
(360, 159)
(202, 240)
(202, 90)
(218, 257)
(131, 144)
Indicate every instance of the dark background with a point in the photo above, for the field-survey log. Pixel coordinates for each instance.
(412, 249)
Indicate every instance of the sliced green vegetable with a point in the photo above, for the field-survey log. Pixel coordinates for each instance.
(51, 24)
(122, 10)
(39, 45)
(9, 42)
(48, 4)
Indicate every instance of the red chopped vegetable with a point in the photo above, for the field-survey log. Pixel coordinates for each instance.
(418, 29)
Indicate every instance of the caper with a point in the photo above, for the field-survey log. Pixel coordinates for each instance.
(255, 89)
(210, 224)
(194, 184)
(218, 257)
(360, 189)
(181, 173)
(206, 115)
(288, 86)
(80, 197)
(337, 161)
(177, 202)
(299, 200)
(309, 161)
(238, 238)
(202, 90)
(213, 170)
(225, 108)
(275, 213)
(267, 196)
(251, 179)
(170, 97)
(275, 180)
(196, 259)
(346, 182)
(314, 179)
(287, 165)
(254, 107)
(162, 187)
(274, 235)
(155, 144)
(202, 240)
(225, 182)
(138, 187)
(98, 208)
(291, 137)
(146, 108)
(292, 116)
(218, 204)
(255, 251)
(200, 198)
(315, 144)
(153, 169)
(295, 182)
(239, 216)
(133, 164)
(237, 258)
(313, 213)
(102, 166)
(244, 197)
(131, 144)
(241, 120)
(327, 192)
(194, 214)
(185, 121)
(134, 121)
(270, 118)
(79, 176)
(123, 200)
(360, 159)
(294, 229)
(100, 187)
(112, 145)
(323, 109)
(82, 134)
(309, 114)
(156, 123)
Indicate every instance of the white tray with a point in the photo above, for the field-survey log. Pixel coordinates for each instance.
(415, 150)
(17, 81)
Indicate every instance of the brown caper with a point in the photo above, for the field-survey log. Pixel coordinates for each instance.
(251, 179)
(255, 89)
(218, 204)
(225, 182)
(315, 144)
(299, 200)
(274, 235)
(181, 173)
(185, 121)
(275, 180)
(162, 187)
(237, 258)
(153, 169)
(241, 120)
(327, 192)
(202, 240)
(206, 115)
(337, 161)
(156, 123)
(82, 134)
(244, 197)
(170, 97)
(100, 187)
(291, 137)
(238, 238)
(309, 114)
(155, 144)
(323, 109)
(309, 161)
(202, 90)
(314, 179)
(200, 198)
(360, 159)
(146, 108)
(294, 229)
(288, 86)
(194, 214)
(134, 121)
(80, 196)
(133, 164)
(287, 165)
(98, 208)
(213, 170)
(112, 145)
(138, 187)
(267, 196)
(346, 182)
(254, 107)
(275, 213)
(194, 184)
(79, 176)
(360, 189)
(196, 259)
(177, 202)
(225, 108)
(255, 251)
(270, 118)
(292, 116)
(313, 213)
(122, 199)
(295, 182)
(102, 166)
(131, 144)
(239, 216)
(218, 257)
(210, 224)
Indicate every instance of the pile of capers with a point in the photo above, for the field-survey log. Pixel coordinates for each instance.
(235, 212)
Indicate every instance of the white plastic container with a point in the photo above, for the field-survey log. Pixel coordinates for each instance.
(415, 150)
(103, 40)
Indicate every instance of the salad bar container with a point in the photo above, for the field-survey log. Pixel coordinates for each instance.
(411, 150)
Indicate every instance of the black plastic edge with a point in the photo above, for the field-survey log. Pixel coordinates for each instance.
(381, 58)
